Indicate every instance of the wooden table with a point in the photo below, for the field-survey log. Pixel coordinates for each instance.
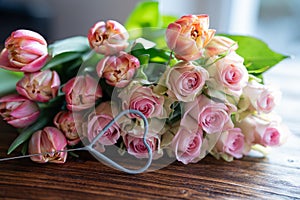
(274, 177)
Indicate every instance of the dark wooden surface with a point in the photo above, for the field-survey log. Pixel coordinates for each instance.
(274, 177)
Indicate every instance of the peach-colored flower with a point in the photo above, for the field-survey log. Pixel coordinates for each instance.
(108, 38)
(66, 121)
(118, 70)
(220, 45)
(25, 51)
(188, 36)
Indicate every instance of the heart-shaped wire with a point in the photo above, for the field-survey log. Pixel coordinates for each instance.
(101, 156)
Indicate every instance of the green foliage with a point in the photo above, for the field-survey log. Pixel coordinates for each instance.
(258, 56)
(147, 22)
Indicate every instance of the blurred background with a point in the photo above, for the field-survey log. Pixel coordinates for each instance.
(274, 21)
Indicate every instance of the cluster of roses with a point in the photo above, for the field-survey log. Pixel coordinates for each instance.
(222, 109)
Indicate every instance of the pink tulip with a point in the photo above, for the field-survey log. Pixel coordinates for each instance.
(18, 111)
(49, 140)
(25, 51)
(39, 86)
(66, 122)
(188, 36)
(108, 38)
(118, 70)
(81, 92)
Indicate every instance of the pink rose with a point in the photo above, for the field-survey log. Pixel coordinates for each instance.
(211, 116)
(81, 92)
(143, 99)
(188, 36)
(228, 75)
(231, 142)
(18, 111)
(25, 51)
(220, 45)
(185, 81)
(118, 70)
(108, 38)
(262, 98)
(266, 132)
(39, 86)
(187, 144)
(135, 146)
(66, 122)
(49, 140)
(97, 120)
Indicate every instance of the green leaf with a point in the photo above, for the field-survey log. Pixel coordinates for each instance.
(155, 55)
(145, 14)
(258, 56)
(8, 81)
(26, 134)
(72, 44)
(61, 59)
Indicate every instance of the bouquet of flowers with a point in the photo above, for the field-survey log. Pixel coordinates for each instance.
(201, 92)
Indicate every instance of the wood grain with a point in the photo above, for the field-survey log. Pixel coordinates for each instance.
(274, 177)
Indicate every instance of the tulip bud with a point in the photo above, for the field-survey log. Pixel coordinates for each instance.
(188, 36)
(49, 140)
(108, 38)
(118, 70)
(18, 111)
(81, 92)
(25, 51)
(39, 86)
(66, 122)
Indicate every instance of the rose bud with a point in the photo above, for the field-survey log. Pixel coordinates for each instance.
(185, 81)
(118, 70)
(228, 74)
(81, 92)
(188, 36)
(25, 51)
(220, 45)
(66, 122)
(231, 142)
(211, 116)
(18, 111)
(143, 99)
(108, 38)
(187, 144)
(98, 120)
(135, 146)
(48, 141)
(39, 86)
